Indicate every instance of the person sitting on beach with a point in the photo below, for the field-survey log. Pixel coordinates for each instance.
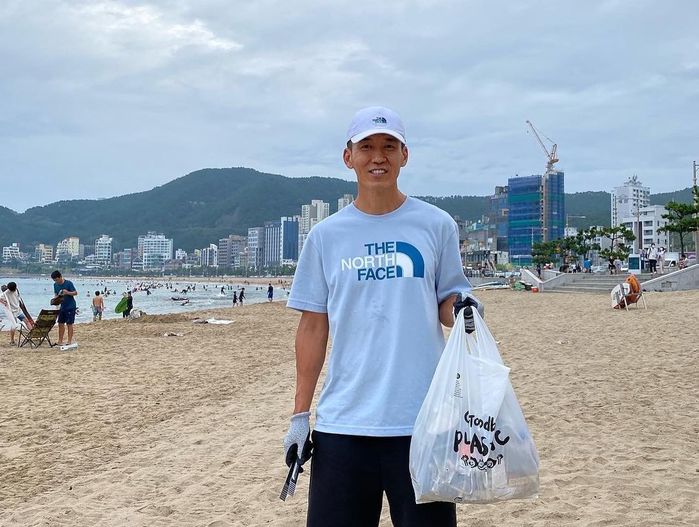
(97, 307)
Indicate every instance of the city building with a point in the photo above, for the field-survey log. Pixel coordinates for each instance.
(256, 247)
(311, 214)
(289, 235)
(10, 253)
(181, 254)
(273, 243)
(498, 217)
(68, 248)
(154, 250)
(124, 260)
(645, 223)
(628, 199)
(209, 256)
(103, 250)
(44, 253)
(229, 250)
(344, 201)
(536, 212)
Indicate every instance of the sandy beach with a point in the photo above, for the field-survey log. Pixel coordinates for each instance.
(140, 429)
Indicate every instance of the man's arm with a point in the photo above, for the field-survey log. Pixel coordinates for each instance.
(446, 311)
(311, 345)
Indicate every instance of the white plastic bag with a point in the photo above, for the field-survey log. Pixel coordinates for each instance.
(470, 443)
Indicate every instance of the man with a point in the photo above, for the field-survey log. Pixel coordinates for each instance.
(97, 307)
(65, 292)
(12, 299)
(129, 305)
(652, 259)
(381, 275)
(270, 292)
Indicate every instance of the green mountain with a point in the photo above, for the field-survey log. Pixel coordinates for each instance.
(201, 207)
(195, 210)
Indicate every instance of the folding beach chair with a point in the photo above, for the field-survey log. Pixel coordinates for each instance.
(40, 332)
(628, 293)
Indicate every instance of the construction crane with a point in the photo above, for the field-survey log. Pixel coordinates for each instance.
(551, 156)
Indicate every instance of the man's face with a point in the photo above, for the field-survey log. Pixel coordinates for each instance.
(58, 280)
(377, 161)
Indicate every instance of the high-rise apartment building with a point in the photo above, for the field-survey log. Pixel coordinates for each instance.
(272, 243)
(645, 226)
(103, 250)
(256, 247)
(209, 256)
(229, 250)
(154, 250)
(289, 240)
(344, 201)
(44, 253)
(536, 212)
(68, 248)
(498, 217)
(10, 252)
(311, 214)
(628, 199)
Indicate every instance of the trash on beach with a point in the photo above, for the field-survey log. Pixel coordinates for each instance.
(471, 443)
(211, 321)
(171, 334)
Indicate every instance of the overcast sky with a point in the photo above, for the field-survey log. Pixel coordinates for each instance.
(103, 98)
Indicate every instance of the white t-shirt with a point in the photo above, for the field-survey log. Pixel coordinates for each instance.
(380, 278)
(13, 301)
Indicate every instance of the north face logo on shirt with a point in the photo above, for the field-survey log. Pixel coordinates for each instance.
(386, 260)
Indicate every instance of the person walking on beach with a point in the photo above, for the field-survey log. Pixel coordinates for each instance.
(661, 259)
(65, 293)
(235, 298)
(241, 296)
(379, 276)
(653, 258)
(270, 292)
(97, 307)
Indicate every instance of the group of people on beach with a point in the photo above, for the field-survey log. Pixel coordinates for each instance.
(64, 299)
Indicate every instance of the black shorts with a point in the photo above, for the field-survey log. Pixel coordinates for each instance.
(66, 316)
(349, 475)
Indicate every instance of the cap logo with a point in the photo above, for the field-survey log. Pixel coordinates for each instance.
(379, 120)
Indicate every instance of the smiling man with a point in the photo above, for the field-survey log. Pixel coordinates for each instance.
(380, 275)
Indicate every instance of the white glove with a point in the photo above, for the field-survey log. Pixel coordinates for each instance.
(297, 442)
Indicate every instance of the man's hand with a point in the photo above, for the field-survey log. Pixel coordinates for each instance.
(468, 303)
(297, 442)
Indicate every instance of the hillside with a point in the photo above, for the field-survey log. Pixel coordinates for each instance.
(201, 207)
(196, 209)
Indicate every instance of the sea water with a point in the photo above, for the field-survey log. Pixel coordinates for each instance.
(38, 291)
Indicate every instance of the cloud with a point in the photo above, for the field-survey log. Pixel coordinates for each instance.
(109, 97)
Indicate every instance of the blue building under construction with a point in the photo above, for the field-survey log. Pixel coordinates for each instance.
(536, 213)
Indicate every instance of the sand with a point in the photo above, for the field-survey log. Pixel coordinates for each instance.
(135, 428)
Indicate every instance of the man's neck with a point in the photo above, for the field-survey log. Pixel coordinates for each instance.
(378, 203)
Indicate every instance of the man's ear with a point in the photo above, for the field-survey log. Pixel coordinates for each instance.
(405, 156)
(347, 158)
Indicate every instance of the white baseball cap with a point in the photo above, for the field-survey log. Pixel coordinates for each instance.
(375, 120)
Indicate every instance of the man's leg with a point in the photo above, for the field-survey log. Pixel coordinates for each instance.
(345, 488)
(61, 331)
(70, 333)
(395, 453)
(12, 335)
